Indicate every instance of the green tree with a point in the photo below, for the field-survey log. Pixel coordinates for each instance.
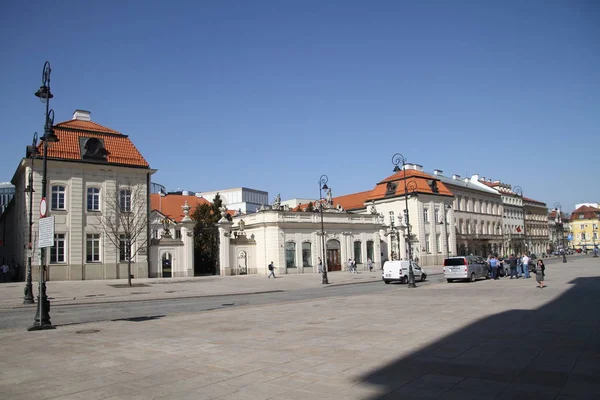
(206, 236)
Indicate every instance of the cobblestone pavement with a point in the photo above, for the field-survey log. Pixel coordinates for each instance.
(501, 339)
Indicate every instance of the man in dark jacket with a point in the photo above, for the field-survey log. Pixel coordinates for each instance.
(512, 263)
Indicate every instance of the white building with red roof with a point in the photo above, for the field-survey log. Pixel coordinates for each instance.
(88, 166)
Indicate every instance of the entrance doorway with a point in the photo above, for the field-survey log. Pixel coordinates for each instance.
(333, 256)
(167, 260)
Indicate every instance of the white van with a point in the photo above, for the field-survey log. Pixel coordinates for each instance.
(397, 271)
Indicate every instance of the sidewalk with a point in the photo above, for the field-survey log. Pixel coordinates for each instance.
(116, 290)
(499, 340)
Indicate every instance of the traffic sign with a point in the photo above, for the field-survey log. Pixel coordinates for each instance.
(46, 232)
(43, 208)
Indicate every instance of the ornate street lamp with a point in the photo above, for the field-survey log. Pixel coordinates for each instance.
(323, 186)
(31, 152)
(558, 221)
(42, 316)
(519, 191)
(397, 159)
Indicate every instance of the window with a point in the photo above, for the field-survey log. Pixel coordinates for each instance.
(58, 197)
(178, 234)
(581, 226)
(437, 215)
(582, 235)
(92, 247)
(93, 199)
(370, 250)
(306, 255)
(357, 252)
(125, 200)
(290, 255)
(57, 252)
(427, 244)
(581, 216)
(426, 214)
(124, 249)
(155, 234)
(438, 242)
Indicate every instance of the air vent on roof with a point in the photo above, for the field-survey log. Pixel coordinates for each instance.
(456, 176)
(82, 115)
(438, 172)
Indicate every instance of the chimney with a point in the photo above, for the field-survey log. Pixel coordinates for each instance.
(438, 172)
(482, 179)
(82, 115)
(418, 167)
(475, 177)
(456, 177)
(490, 180)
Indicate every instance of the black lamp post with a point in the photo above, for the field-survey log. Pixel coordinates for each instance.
(519, 191)
(32, 153)
(594, 234)
(42, 316)
(397, 159)
(558, 221)
(323, 186)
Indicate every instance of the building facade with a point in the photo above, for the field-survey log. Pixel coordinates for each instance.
(7, 192)
(536, 226)
(584, 224)
(242, 199)
(96, 178)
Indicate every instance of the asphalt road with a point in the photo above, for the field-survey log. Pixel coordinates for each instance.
(21, 318)
(144, 309)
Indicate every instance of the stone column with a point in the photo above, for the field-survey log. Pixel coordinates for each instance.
(224, 246)
(187, 237)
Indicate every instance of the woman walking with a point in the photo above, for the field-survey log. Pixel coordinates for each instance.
(540, 272)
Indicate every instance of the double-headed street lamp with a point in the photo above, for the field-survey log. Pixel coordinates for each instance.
(397, 159)
(323, 186)
(42, 316)
(31, 152)
(557, 222)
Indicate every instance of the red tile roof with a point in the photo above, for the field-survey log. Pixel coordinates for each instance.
(587, 211)
(170, 205)
(419, 178)
(541, 203)
(121, 149)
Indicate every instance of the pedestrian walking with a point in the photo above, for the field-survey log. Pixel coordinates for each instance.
(272, 271)
(525, 262)
(370, 264)
(354, 270)
(4, 272)
(349, 265)
(512, 263)
(494, 267)
(320, 265)
(540, 273)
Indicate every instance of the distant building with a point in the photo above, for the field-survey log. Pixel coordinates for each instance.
(244, 199)
(584, 225)
(293, 203)
(7, 192)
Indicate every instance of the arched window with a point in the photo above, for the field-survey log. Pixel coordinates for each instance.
(357, 252)
(290, 255)
(370, 250)
(306, 255)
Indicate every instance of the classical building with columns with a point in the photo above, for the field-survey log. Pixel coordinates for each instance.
(293, 240)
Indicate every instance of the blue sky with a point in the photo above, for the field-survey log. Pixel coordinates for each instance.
(272, 94)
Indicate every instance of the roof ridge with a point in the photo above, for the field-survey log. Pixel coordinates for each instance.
(65, 124)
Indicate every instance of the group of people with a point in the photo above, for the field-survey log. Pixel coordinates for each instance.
(519, 267)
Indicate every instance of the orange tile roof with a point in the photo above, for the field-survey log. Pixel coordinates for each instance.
(170, 205)
(354, 201)
(534, 201)
(587, 211)
(418, 177)
(121, 149)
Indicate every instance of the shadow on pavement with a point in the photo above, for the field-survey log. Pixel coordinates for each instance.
(550, 352)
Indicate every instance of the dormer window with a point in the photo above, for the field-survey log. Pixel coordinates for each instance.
(92, 149)
(391, 188)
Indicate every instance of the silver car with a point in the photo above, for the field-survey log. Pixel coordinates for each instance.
(465, 267)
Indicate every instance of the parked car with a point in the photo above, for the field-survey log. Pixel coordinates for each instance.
(397, 271)
(465, 267)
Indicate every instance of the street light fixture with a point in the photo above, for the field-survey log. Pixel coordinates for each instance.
(31, 152)
(42, 316)
(397, 159)
(558, 221)
(519, 191)
(323, 186)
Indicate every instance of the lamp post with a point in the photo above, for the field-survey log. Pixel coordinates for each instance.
(323, 186)
(558, 221)
(594, 234)
(42, 316)
(397, 159)
(32, 153)
(519, 191)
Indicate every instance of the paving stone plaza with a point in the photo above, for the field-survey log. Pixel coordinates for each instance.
(502, 339)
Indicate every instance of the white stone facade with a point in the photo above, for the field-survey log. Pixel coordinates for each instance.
(244, 199)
